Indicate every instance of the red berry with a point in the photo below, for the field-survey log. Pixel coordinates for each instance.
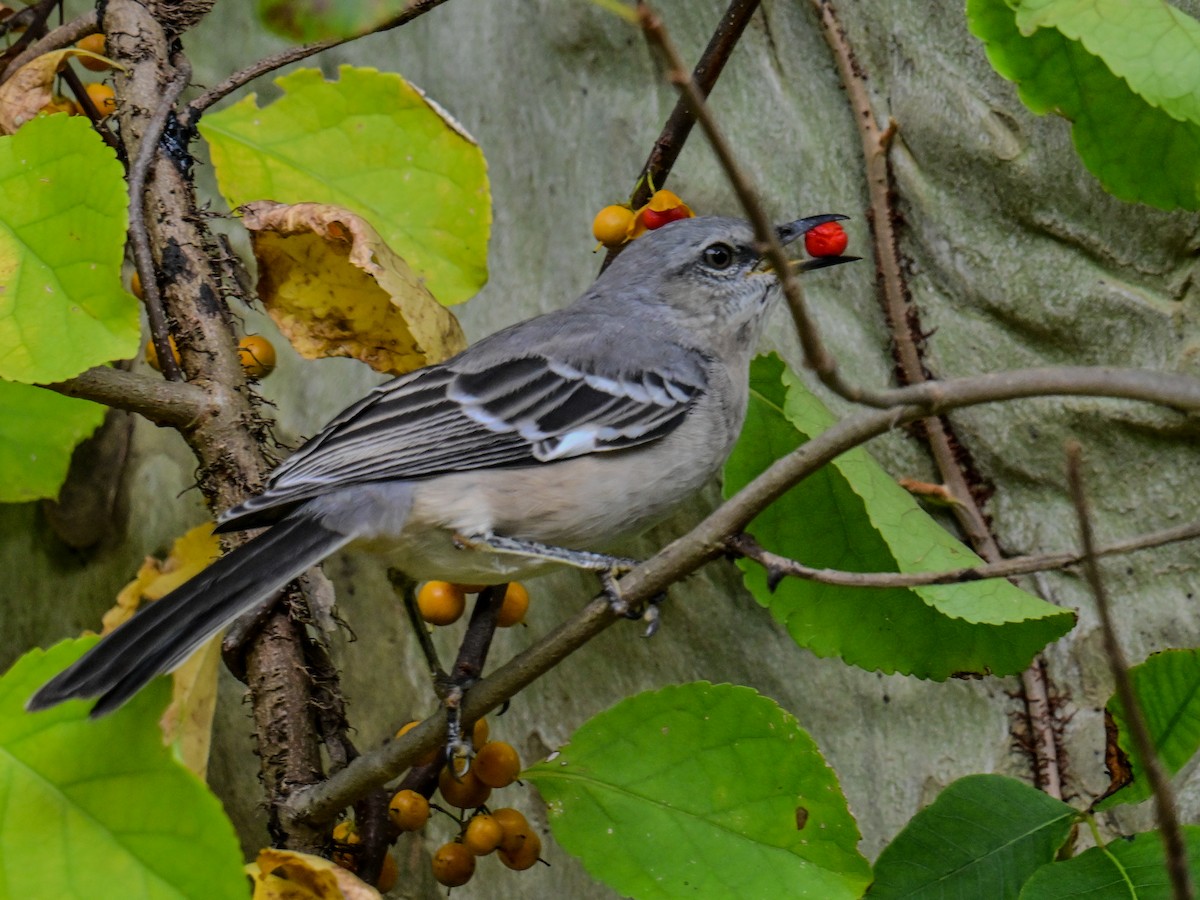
(658, 218)
(826, 240)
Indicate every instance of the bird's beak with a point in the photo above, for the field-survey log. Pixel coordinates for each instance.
(793, 230)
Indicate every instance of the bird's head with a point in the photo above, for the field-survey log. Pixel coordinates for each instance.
(708, 272)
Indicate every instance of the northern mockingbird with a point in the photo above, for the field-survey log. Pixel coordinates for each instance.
(570, 430)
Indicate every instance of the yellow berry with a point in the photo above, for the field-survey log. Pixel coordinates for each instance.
(103, 99)
(152, 354)
(515, 827)
(135, 285)
(482, 835)
(428, 759)
(525, 855)
(611, 225)
(453, 865)
(93, 43)
(388, 875)
(344, 832)
(408, 811)
(479, 734)
(440, 602)
(465, 791)
(256, 355)
(497, 764)
(515, 605)
(59, 105)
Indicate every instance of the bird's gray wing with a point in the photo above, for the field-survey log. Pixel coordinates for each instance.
(486, 413)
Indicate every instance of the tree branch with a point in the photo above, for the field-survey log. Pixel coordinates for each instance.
(55, 39)
(196, 108)
(1164, 799)
(779, 567)
(706, 542)
(177, 404)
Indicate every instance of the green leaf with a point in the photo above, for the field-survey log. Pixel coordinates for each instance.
(702, 790)
(1135, 143)
(1126, 869)
(1167, 686)
(1154, 47)
(101, 808)
(38, 431)
(852, 515)
(319, 20)
(984, 836)
(63, 215)
(371, 143)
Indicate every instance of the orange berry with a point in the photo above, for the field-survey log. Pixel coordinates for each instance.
(479, 734)
(103, 99)
(525, 855)
(611, 225)
(152, 354)
(93, 43)
(256, 355)
(408, 811)
(515, 605)
(430, 758)
(515, 827)
(135, 285)
(453, 865)
(388, 875)
(59, 105)
(345, 833)
(497, 764)
(482, 835)
(465, 791)
(440, 602)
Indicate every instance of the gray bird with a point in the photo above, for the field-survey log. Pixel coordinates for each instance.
(559, 435)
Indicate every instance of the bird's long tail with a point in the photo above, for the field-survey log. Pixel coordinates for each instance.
(164, 633)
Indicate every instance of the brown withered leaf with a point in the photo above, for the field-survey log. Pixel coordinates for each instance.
(1120, 770)
(32, 86)
(934, 494)
(287, 875)
(335, 288)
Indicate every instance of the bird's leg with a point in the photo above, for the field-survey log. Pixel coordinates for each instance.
(579, 559)
(609, 568)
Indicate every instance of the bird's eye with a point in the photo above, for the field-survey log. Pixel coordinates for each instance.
(718, 256)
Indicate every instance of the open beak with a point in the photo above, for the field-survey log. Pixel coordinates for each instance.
(793, 230)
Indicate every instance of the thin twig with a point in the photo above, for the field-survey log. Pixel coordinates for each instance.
(704, 543)
(675, 131)
(197, 107)
(1164, 799)
(177, 404)
(816, 355)
(55, 39)
(780, 566)
(139, 239)
(406, 588)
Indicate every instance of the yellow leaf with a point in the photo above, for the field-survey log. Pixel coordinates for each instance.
(31, 87)
(187, 721)
(189, 555)
(335, 288)
(285, 875)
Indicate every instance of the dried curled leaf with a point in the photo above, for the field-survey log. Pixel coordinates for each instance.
(32, 87)
(286, 875)
(335, 288)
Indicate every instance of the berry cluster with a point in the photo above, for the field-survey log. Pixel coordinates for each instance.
(505, 831)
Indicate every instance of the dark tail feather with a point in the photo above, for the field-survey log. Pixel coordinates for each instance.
(164, 633)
